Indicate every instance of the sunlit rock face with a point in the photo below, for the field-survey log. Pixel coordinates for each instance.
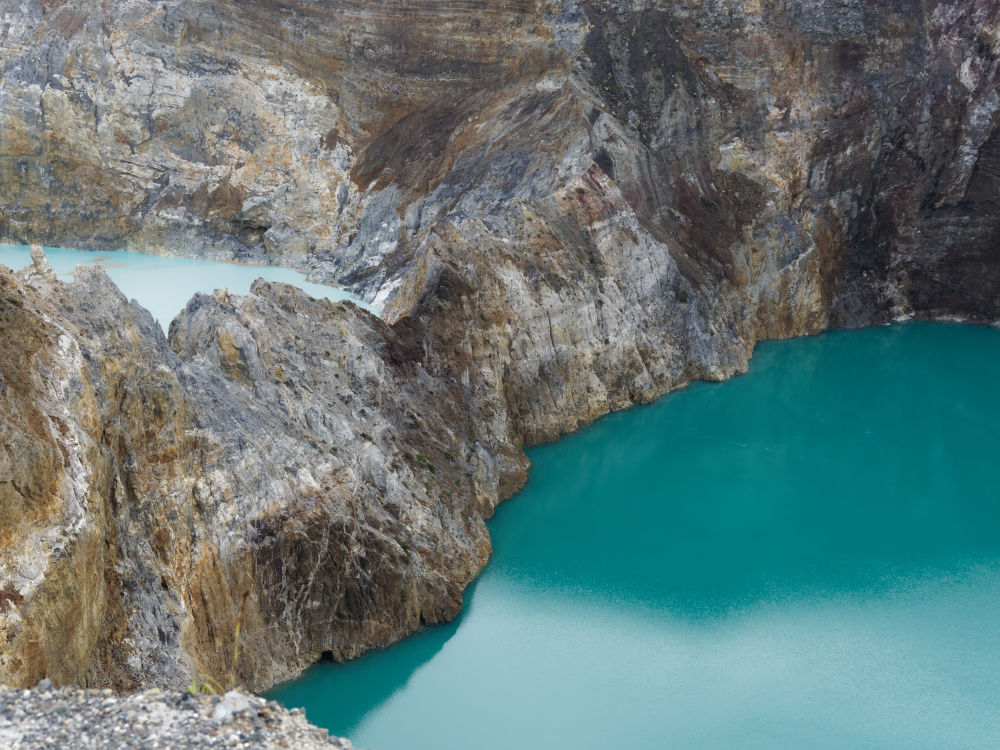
(565, 208)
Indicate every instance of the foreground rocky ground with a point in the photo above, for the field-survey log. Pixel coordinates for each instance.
(47, 718)
(566, 208)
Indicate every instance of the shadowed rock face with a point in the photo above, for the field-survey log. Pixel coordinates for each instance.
(565, 207)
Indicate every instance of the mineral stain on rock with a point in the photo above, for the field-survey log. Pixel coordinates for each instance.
(267, 447)
(564, 208)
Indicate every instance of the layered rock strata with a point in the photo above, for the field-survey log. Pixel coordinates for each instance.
(565, 207)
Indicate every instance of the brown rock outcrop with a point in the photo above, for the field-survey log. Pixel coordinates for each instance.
(290, 464)
(565, 207)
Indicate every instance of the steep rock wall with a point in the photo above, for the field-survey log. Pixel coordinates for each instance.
(566, 208)
(287, 466)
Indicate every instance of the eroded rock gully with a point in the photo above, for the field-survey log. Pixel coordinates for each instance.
(565, 207)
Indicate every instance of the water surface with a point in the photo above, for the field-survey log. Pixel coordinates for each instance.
(807, 556)
(163, 285)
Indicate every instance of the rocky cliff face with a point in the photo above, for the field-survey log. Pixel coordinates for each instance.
(283, 463)
(565, 207)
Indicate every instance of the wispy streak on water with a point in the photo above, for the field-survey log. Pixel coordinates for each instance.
(804, 557)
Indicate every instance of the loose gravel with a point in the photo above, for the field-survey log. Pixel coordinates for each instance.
(90, 719)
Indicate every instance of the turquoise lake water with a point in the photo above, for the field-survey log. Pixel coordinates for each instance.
(164, 285)
(807, 556)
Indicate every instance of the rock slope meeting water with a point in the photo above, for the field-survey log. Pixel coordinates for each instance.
(563, 209)
(804, 557)
(164, 284)
(283, 470)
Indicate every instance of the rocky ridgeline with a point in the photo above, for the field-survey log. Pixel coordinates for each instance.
(285, 468)
(567, 207)
(153, 720)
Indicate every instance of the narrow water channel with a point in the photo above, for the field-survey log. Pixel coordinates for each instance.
(807, 556)
(163, 285)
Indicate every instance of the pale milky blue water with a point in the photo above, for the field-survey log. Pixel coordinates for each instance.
(164, 285)
(807, 556)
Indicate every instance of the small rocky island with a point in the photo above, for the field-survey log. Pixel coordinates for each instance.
(563, 207)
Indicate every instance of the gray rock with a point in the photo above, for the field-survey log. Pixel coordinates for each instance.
(90, 722)
(41, 263)
(565, 208)
(275, 440)
(233, 703)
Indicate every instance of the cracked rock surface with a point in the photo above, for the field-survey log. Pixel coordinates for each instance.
(282, 462)
(564, 207)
